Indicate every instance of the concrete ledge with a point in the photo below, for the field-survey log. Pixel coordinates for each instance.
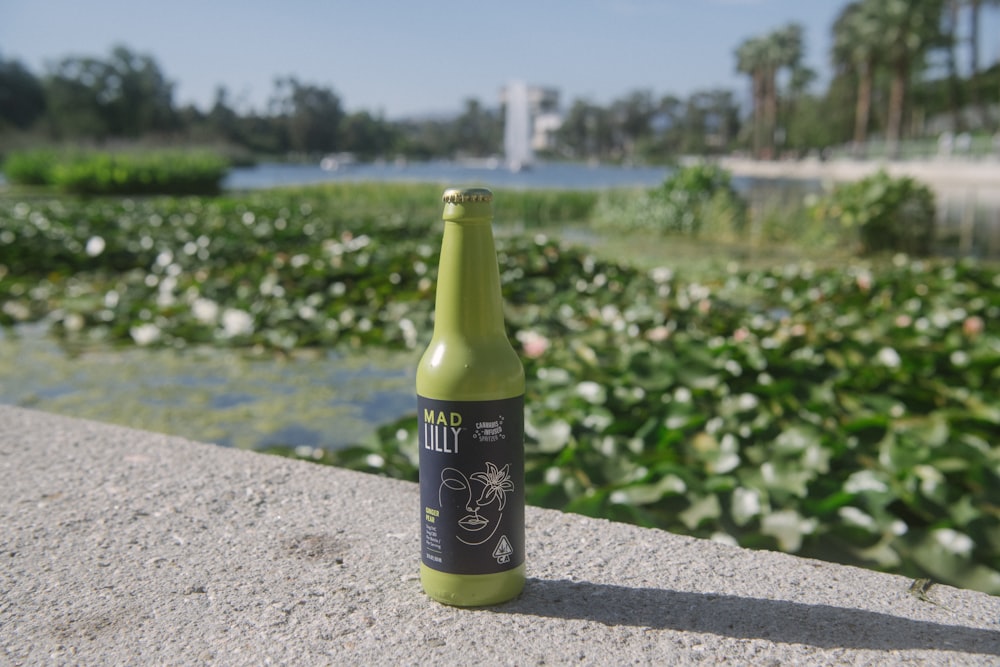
(124, 547)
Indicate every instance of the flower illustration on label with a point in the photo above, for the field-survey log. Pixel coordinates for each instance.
(496, 485)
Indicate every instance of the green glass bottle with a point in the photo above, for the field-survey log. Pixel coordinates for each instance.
(470, 404)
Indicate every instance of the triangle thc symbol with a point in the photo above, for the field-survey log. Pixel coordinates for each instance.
(503, 551)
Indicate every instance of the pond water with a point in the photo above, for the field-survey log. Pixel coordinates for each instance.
(558, 175)
(325, 400)
(328, 400)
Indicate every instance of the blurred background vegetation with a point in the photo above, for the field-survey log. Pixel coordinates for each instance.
(896, 83)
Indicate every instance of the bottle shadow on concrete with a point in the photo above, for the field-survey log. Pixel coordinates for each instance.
(819, 625)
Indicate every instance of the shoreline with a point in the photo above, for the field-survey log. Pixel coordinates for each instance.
(948, 178)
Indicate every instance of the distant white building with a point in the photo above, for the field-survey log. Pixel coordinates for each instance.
(545, 119)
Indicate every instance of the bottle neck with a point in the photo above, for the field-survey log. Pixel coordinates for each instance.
(468, 301)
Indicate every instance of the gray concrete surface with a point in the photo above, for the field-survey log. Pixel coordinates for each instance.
(122, 547)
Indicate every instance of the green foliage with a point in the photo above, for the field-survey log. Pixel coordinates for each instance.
(880, 49)
(535, 208)
(164, 172)
(22, 98)
(101, 173)
(693, 200)
(33, 167)
(343, 263)
(123, 95)
(841, 414)
(848, 414)
(889, 214)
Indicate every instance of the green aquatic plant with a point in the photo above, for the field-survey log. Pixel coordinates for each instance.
(91, 172)
(693, 200)
(888, 214)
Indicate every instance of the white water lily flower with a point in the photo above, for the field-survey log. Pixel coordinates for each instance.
(17, 310)
(658, 334)
(554, 375)
(954, 541)
(618, 497)
(610, 314)
(165, 291)
(205, 311)
(724, 538)
(959, 358)
(592, 392)
(889, 358)
(236, 323)
(268, 283)
(729, 458)
(747, 402)
(95, 246)
(787, 527)
(864, 480)
(145, 334)
(857, 517)
(73, 322)
(930, 479)
(661, 274)
(746, 504)
(553, 475)
(409, 330)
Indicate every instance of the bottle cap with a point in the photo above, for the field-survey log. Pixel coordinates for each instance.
(468, 205)
(462, 195)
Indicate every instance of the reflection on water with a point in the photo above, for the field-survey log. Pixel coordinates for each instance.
(210, 394)
(557, 175)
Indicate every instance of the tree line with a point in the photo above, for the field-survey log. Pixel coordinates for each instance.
(895, 69)
(895, 65)
(126, 96)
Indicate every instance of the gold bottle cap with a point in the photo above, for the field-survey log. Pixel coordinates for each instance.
(464, 195)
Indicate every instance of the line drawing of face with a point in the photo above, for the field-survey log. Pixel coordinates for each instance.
(456, 495)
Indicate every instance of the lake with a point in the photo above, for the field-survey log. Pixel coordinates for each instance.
(228, 397)
(325, 400)
(557, 175)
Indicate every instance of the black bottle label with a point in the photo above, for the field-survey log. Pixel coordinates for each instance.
(471, 484)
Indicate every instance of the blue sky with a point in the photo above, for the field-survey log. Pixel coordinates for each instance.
(428, 56)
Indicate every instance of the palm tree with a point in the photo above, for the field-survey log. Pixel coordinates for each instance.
(950, 35)
(786, 49)
(909, 28)
(975, 8)
(751, 58)
(856, 46)
(763, 58)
